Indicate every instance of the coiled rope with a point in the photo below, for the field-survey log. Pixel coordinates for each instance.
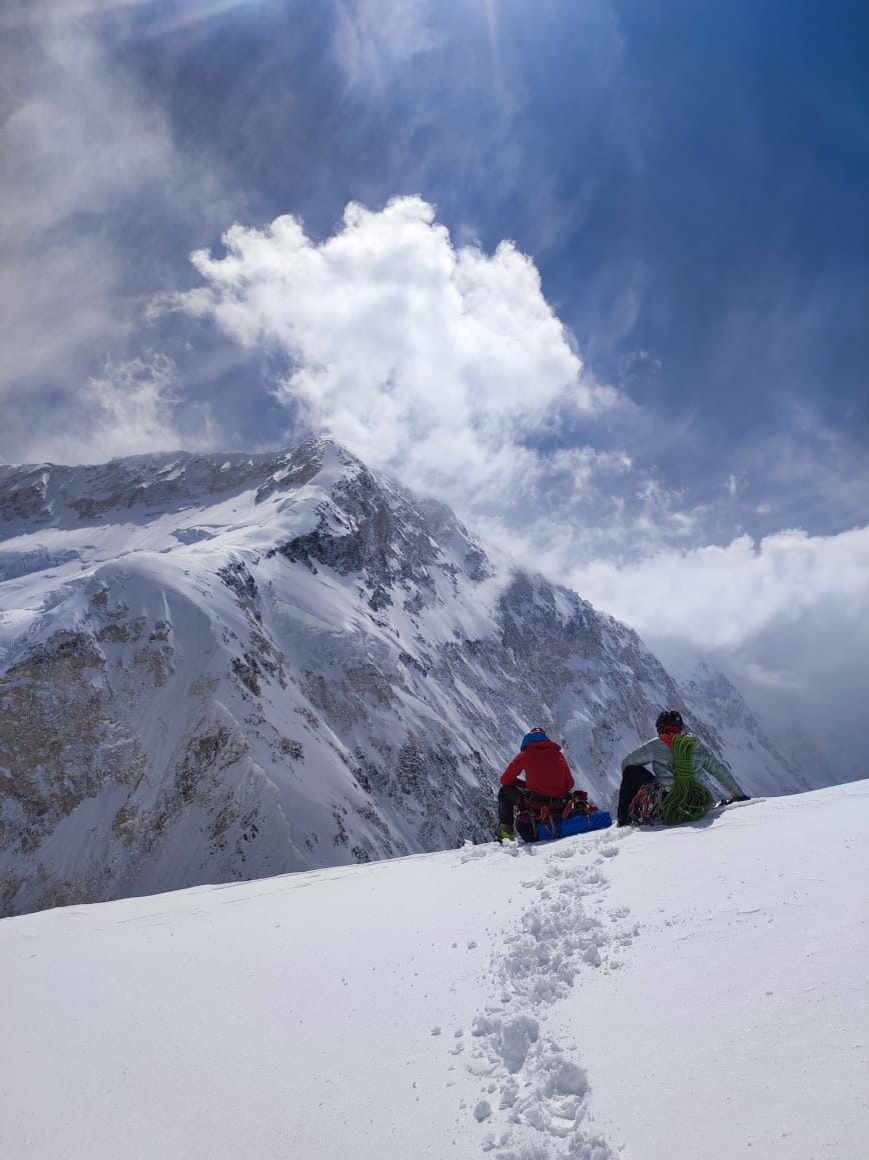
(689, 799)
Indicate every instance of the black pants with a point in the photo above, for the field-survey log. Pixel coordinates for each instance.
(508, 795)
(633, 777)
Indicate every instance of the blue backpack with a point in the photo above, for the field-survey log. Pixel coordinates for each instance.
(542, 819)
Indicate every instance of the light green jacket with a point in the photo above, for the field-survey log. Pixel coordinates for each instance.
(660, 755)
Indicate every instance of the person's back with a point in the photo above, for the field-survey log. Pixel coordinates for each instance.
(658, 752)
(547, 774)
(546, 770)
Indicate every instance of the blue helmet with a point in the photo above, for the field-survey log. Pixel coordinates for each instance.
(537, 733)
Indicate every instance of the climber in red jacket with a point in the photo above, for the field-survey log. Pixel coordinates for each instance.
(547, 775)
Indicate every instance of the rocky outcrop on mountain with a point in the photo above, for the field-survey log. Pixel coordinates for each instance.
(45, 494)
(225, 667)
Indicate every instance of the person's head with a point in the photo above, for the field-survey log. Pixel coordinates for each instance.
(669, 723)
(535, 733)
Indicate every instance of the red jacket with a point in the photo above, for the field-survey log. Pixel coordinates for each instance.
(546, 770)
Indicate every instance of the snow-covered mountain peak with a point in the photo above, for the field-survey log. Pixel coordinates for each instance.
(228, 666)
(143, 486)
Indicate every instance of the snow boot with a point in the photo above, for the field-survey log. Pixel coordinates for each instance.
(505, 833)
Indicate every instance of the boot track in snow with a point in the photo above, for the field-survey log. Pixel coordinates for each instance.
(534, 1093)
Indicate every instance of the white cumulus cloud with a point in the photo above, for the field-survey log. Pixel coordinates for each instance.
(432, 361)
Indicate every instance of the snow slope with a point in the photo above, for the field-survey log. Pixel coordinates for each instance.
(660, 995)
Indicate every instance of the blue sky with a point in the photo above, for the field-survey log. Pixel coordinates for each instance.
(607, 291)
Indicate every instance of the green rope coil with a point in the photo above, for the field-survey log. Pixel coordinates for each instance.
(689, 799)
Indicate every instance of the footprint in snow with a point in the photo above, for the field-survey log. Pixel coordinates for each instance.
(534, 1099)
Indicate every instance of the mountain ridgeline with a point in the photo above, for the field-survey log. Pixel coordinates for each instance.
(224, 667)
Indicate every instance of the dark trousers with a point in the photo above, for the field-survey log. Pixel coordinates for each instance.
(633, 777)
(508, 795)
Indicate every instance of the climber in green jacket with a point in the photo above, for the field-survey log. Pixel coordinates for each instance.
(677, 759)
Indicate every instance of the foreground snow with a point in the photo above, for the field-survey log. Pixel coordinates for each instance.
(666, 995)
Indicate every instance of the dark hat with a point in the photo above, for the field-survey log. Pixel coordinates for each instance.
(670, 719)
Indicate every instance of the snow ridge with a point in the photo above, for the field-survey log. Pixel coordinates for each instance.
(683, 993)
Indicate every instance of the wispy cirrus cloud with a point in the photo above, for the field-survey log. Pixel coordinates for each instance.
(93, 186)
(372, 40)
